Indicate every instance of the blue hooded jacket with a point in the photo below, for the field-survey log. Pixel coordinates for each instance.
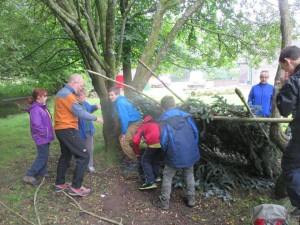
(179, 138)
(81, 124)
(126, 112)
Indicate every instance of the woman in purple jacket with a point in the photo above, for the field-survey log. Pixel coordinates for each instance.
(42, 134)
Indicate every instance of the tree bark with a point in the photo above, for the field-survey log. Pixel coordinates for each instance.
(276, 134)
(78, 21)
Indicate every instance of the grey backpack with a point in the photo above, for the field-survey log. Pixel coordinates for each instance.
(269, 214)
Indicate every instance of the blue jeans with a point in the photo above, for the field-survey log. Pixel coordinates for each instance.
(169, 173)
(71, 143)
(150, 164)
(39, 167)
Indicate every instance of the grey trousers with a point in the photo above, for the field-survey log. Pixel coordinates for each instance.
(169, 173)
(89, 143)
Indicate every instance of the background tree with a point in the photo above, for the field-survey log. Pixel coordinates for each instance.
(33, 47)
(113, 33)
(276, 134)
(286, 33)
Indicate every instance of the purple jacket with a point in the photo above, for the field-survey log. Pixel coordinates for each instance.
(40, 124)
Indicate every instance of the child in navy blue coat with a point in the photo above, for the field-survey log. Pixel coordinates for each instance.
(179, 141)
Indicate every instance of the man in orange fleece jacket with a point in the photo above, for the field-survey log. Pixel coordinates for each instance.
(67, 110)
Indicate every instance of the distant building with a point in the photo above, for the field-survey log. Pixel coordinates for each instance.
(250, 76)
(245, 76)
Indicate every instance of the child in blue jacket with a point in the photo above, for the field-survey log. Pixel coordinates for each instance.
(130, 119)
(179, 141)
(86, 128)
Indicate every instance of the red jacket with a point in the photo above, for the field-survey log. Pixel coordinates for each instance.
(149, 131)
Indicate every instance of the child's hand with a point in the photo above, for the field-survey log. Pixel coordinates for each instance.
(98, 106)
(99, 119)
(122, 138)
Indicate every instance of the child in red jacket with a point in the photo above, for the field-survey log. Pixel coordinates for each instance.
(149, 131)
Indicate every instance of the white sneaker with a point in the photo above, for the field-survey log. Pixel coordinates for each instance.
(91, 169)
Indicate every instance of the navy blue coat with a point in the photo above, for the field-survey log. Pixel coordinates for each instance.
(179, 138)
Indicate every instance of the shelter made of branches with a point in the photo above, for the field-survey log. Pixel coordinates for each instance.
(232, 153)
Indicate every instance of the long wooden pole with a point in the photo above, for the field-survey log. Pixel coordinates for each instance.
(126, 85)
(144, 65)
(217, 118)
(253, 120)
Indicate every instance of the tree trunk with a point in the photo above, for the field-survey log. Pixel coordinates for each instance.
(149, 57)
(276, 134)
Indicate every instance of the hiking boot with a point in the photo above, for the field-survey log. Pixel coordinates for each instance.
(190, 201)
(91, 169)
(161, 202)
(79, 191)
(30, 180)
(157, 179)
(62, 187)
(295, 213)
(147, 186)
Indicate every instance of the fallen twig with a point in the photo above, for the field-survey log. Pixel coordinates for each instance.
(16, 213)
(92, 214)
(34, 202)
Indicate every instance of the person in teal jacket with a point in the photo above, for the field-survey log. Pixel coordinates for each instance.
(86, 127)
(260, 96)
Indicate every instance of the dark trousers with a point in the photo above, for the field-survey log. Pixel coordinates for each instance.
(290, 164)
(150, 163)
(39, 167)
(71, 143)
(292, 184)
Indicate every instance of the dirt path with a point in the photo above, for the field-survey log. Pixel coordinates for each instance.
(123, 200)
(119, 199)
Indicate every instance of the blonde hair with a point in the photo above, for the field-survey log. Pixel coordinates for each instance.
(81, 92)
(167, 102)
